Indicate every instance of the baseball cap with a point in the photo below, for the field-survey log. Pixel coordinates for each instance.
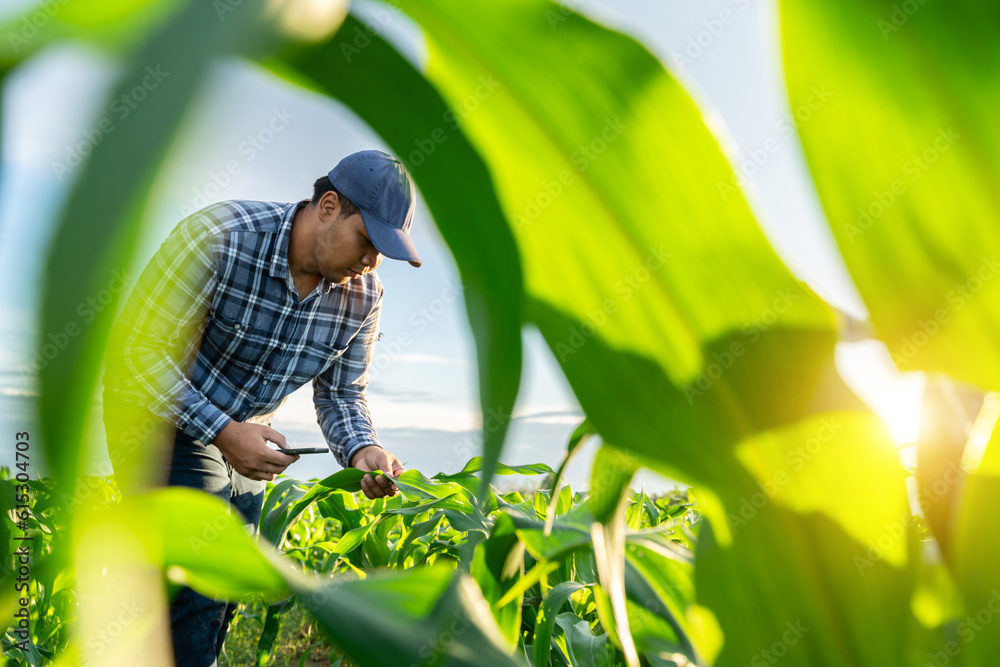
(379, 186)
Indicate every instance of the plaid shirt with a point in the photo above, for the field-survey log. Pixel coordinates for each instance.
(218, 300)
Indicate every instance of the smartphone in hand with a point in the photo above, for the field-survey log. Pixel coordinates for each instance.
(305, 450)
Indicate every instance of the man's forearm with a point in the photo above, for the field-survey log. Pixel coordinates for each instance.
(340, 395)
(203, 420)
(347, 427)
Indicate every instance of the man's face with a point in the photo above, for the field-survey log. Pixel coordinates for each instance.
(344, 251)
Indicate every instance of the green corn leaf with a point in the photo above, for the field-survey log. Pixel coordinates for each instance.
(830, 534)
(524, 509)
(609, 480)
(348, 479)
(653, 511)
(324, 545)
(376, 550)
(538, 572)
(910, 197)
(579, 435)
(585, 649)
(343, 508)
(352, 539)
(656, 541)
(546, 619)
(564, 500)
(193, 536)
(586, 567)
(976, 539)
(569, 533)
(279, 493)
(655, 640)
(272, 624)
(112, 26)
(428, 616)
(634, 513)
(665, 587)
(897, 116)
(275, 524)
(414, 486)
(497, 564)
(467, 522)
(404, 550)
(636, 271)
(475, 465)
(438, 550)
(274, 513)
(427, 506)
(32, 656)
(541, 503)
(458, 503)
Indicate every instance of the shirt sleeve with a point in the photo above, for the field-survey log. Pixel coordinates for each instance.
(158, 332)
(340, 394)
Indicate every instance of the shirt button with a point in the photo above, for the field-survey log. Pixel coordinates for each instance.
(284, 345)
(237, 325)
(265, 381)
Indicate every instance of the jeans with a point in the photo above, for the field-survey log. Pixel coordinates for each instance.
(198, 625)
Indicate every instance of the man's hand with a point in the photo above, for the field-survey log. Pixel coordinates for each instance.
(245, 447)
(374, 457)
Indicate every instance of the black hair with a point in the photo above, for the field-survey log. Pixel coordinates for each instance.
(322, 186)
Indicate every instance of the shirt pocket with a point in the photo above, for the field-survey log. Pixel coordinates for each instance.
(237, 349)
(316, 358)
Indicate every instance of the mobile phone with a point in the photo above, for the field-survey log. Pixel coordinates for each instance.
(304, 450)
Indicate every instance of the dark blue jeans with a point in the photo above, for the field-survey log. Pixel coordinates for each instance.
(198, 625)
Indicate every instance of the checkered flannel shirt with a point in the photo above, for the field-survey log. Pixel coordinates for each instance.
(214, 330)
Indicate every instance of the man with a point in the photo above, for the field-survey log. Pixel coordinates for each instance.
(243, 303)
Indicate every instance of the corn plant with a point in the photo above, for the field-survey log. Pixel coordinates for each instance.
(531, 556)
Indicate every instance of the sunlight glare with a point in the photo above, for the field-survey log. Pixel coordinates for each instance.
(309, 20)
(981, 432)
(867, 368)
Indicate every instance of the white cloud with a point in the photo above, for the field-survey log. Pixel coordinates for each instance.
(554, 417)
(427, 359)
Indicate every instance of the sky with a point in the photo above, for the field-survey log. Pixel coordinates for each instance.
(423, 395)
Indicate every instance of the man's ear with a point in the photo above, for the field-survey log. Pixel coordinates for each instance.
(329, 206)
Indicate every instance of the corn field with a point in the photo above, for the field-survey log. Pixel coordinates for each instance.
(589, 196)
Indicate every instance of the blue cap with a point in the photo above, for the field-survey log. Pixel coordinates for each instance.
(379, 186)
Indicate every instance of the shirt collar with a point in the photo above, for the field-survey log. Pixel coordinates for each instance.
(279, 264)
